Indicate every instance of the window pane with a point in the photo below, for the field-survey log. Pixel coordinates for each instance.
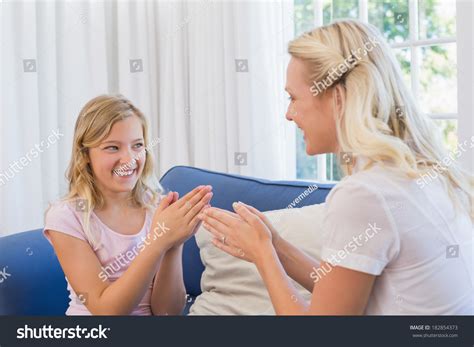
(391, 18)
(404, 58)
(305, 164)
(338, 9)
(436, 18)
(333, 169)
(449, 131)
(327, 12)
(304, 16)
(438, 87)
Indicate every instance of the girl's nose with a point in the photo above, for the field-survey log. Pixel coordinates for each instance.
(128, 158)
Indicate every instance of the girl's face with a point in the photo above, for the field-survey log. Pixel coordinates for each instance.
(314, 115)
(118, 161)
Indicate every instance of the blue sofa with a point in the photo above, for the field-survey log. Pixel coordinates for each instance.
(31, 279)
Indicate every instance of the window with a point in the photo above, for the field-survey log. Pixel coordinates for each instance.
(423, 36)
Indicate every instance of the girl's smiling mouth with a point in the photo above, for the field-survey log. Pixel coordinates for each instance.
(125, 171)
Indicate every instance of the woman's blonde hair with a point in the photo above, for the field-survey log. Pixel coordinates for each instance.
(380, 119)
(93, 125)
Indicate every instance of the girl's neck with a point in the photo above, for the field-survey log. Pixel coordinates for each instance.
(116, 202)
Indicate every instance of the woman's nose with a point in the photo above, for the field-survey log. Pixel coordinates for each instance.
(290, 113)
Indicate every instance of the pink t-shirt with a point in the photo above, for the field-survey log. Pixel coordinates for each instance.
(115, 252)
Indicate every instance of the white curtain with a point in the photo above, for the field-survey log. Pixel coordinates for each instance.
(209, 76)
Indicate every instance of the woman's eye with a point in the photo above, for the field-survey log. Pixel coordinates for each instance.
(138, 145)
(111, 148)
(290, 98)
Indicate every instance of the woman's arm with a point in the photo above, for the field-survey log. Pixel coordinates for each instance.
(297, 264)
(339, 291)
(168, 294)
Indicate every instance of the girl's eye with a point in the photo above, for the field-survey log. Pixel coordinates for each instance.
(138, 145)
(290, 98)
(111, 148)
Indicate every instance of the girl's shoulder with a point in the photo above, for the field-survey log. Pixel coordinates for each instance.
(66, 216)
(66, 207)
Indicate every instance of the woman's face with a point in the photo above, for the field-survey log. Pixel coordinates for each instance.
(314, 115)
(118, 161)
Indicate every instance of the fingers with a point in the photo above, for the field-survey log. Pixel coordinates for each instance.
(217, 235)
(224, 217)
(192, 194)
(199, 206)
(189, 204)
(245, 213)
(165, 202)
(231, 214)
(238, 253)
(255, 211)
(175, 197)
(216, 226)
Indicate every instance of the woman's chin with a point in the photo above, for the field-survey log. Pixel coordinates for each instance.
(310, 150)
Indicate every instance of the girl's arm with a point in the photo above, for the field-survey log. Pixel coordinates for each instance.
(168, 294)
(84, 270)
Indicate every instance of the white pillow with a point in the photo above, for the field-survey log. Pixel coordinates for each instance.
(231, 286)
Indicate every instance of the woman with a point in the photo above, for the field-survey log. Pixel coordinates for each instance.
(391, 245)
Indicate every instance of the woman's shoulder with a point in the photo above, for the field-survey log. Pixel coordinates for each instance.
(378, 180)
(362, 196)
(355, 186)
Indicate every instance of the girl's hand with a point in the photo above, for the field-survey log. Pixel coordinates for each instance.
(244, 235)
(175, 220)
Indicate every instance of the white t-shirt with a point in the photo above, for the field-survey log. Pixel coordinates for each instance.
(411, 238)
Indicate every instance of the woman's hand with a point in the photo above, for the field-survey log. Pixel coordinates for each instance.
(245, 235)
(275, 235)
(175, 220)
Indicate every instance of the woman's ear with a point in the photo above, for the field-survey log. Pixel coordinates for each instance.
(339, 95)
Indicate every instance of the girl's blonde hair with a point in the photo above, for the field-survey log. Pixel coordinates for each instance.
(93, 125)
(380, 119)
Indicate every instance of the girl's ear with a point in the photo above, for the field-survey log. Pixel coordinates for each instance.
(85, 153)
(339, 95)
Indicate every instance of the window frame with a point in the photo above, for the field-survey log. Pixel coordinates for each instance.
(464, 56)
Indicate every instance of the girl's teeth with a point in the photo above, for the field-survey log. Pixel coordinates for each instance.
(123, 173)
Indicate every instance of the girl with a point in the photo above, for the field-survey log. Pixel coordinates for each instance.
(392, 245)
(117, 241)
